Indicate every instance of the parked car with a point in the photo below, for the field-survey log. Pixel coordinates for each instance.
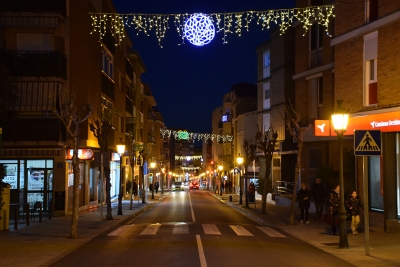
(177, 186)
(194, 185)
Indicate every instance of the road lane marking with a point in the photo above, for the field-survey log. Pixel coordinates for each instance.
(211, 229)
(181, 228)
(240, 230)
(191, 208)
(203, 262)
(269, 231)
(151, 229)
(121, 230)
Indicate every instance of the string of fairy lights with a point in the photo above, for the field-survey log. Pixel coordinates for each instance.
(188, 158)
(184, 135)
(199, 29)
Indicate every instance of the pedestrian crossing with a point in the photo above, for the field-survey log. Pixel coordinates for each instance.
(208, 229)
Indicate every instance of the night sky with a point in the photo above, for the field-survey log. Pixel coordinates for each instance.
(188, 82)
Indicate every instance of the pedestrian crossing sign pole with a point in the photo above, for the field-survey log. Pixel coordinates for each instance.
(367, 143)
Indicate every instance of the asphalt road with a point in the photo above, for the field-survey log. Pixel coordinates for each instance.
(193, 228)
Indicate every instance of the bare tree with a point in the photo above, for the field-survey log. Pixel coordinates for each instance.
(266, 142)
(101, 126)
(292, 121)
(72, 116)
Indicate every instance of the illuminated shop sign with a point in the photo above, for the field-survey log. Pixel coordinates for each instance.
(385, 122)
(85, 154)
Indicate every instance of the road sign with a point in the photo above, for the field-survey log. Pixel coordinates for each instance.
(367, 143)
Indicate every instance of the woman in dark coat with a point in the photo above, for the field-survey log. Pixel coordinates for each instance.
(303, 196)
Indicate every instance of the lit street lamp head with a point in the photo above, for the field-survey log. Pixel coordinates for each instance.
(340, 118)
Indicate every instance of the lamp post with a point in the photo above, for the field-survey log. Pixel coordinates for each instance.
(121, 150)
(339, 120)
(140, 162)
(239, 161)
(220, 168)
(152, 166)
(162, 180)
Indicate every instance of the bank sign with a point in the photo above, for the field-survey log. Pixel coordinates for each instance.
(384, 122)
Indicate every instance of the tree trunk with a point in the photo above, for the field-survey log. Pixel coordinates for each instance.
(108, 197)
(266, 184)
(296, 180)
(75, 202)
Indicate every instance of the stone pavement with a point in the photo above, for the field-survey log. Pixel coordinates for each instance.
(45, 243)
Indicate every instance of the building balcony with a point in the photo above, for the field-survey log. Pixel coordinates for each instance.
(58, 6)
(35, 63)
(107, 86)
(129, 105)
(37, 96)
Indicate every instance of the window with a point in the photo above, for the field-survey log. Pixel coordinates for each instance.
(320, 92)
(370, 67)
(371, 10)
(267, 96)
(316, 34)
(266, 64)
(315, 95)
(315, 158)
(316, 2)
(108, 66)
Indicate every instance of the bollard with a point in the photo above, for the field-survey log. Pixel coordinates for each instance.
(27, 214)
(230, 198)
(16, 217)
(40, 212)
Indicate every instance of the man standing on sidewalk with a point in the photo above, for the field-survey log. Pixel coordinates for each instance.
(318, 192)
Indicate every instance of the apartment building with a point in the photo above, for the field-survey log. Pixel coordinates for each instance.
(50, 53)
(366, 78)
(275, 87)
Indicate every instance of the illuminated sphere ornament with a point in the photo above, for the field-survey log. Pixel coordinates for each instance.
(199, 29)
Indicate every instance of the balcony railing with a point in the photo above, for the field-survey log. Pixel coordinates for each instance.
(34, 6)
(107, 86)
(35, 64)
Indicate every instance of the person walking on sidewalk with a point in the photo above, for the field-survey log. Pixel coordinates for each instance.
(303, 196)
(354, 204)
(334, 202)
(318, 193)
(156, 186)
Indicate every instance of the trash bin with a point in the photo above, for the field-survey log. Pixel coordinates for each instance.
(5, 211)
(230, 198)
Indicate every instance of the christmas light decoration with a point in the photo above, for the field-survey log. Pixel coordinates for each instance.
(197, 28)
(196, 136)
(188, 158)
(190, 168)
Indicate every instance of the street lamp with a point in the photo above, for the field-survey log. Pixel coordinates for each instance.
(220, 168)
(121, 150)
(239, 161)
(152, 166)
(340, 118)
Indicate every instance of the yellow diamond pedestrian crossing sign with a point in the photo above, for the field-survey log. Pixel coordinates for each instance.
(367, 142)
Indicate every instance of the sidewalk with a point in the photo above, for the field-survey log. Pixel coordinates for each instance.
(384, 247)
(51, 237)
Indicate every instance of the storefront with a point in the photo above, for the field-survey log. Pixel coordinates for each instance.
(382, 172)
(31, 181)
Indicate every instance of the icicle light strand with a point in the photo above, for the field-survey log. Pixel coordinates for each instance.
(227, 23)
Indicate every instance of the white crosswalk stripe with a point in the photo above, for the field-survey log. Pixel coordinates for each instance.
(151, 229)
(121, 230)
(269, 231)
(240, 230)
(211, 229)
